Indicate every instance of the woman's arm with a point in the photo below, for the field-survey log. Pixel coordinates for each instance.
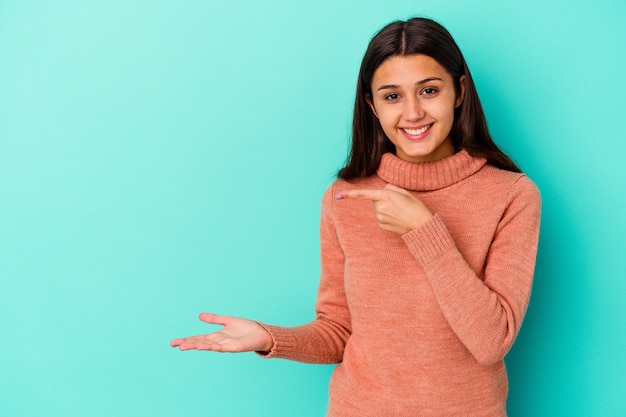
(486, 314)
(324, 339)
(321, 341)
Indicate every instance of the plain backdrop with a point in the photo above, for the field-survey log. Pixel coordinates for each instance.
(163, 158)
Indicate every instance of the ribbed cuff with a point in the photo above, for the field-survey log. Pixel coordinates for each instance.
(429, 241)
(283, 338)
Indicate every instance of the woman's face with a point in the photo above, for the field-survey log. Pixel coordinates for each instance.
(414, 99)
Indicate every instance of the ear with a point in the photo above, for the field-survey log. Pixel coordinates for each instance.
(461, 95)
(368, 99)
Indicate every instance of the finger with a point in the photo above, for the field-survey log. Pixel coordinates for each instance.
(187, 345)
(206, 344)
(214, 319)
(197, 345)
(183, 341)
(182, 344)
(373, 195)
(392, 187)
(195, 342)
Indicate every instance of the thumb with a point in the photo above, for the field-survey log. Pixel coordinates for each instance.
(392, 187)
(214, 319)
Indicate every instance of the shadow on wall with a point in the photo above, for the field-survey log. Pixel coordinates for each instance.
(552, 341)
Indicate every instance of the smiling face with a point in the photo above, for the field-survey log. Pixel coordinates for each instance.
(414, 99)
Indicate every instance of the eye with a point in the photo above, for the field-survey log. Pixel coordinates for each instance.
(392, 97)
(429, 91)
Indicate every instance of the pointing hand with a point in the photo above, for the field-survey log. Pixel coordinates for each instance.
(397, 210)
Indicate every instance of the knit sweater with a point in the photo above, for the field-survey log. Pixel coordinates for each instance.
(420, 323)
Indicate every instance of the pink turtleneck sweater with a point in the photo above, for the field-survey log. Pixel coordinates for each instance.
(420, 323)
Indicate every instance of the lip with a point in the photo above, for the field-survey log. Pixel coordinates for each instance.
(417, 137)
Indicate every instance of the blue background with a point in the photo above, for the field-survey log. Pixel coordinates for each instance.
(159, 159)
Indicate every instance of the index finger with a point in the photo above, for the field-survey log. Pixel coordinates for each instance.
(373, 195)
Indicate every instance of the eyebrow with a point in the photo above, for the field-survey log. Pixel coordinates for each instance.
(422, 82)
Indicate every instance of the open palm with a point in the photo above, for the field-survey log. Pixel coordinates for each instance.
(237, 335)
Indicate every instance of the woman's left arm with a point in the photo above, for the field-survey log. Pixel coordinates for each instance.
(486, 314)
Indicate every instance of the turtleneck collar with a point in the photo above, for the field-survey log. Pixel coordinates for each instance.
(428, 176)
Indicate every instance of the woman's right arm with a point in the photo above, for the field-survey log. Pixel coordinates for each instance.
(237, 335)
(321, 341)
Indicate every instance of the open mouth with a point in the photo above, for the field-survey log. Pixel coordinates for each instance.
(417, 132)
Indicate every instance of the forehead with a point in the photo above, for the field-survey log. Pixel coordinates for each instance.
(410, 69)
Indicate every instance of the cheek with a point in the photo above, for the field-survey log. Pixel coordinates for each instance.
(388, 126)
(444, 112)
(387, 116)
(387, 121)
(389, 131)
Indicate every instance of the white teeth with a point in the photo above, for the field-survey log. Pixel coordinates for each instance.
(415, 132)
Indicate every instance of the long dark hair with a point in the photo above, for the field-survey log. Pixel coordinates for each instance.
(469, 129)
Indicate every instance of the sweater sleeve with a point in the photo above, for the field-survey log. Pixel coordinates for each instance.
(323, 340)
(486, 314)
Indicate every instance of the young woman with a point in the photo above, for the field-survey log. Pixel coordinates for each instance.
(428, 243)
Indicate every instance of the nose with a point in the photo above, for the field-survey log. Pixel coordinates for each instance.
(412, 109)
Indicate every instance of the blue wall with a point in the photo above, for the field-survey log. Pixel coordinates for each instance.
(163, 158)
